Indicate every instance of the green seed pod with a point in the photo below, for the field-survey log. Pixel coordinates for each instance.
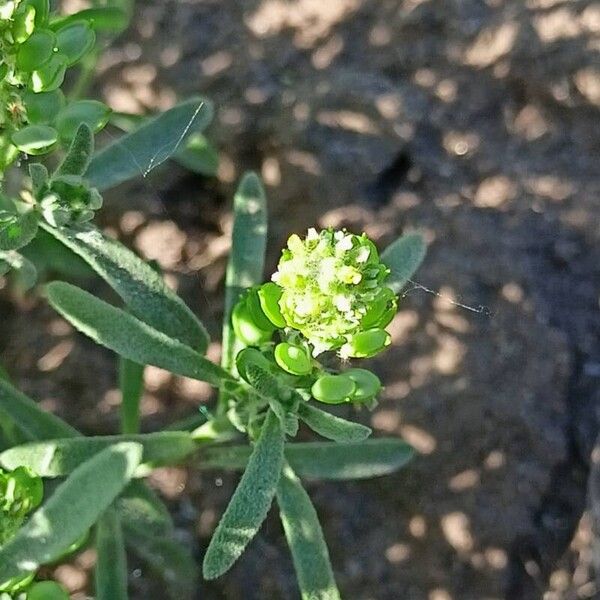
(367, 384)
(256, 311)
(50, 75)
(333, 389)
(269, 295)
(42, 108)
(91, 112)
(16, 584)
(75, 40)
(36, 50)
(47, 590)
(382, 309)
(245, 328)
(293, 359)
(251, 356)
(35, 139)
(366, 344)
(23, 23)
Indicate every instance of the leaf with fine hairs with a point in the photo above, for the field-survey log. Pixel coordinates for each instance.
(111, 561)
(73, 508)
(250, 502)
(129, 337)
(403, 257)
(305, 539)
(323, 460)
(332, 427)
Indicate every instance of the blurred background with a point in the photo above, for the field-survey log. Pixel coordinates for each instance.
(476, 122)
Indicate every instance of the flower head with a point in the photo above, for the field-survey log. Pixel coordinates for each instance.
(333, 291)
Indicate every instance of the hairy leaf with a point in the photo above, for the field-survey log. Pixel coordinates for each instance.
(140, 507)
(59, 457)
(111, 562)
(80, 152)
(305, 539)
(141, 288)
(403, 257)
(128, 336)
(17, 231)
(332, 427)
(248, 245)
(73, 508)
(139, 152)
(27, 416)
(323, 460)
(250, 502)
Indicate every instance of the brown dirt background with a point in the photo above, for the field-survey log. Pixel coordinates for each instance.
(475, 122)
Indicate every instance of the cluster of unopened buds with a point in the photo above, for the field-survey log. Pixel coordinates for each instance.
(328, 295)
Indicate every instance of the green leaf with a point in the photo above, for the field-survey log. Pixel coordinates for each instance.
(33, 422)
(332, 427)
(154, 142)
(80, 152)
(305, 539)
(35, 139)
(167, 557)
(74, 40)
(403, 257)
(36, 50)
(73, 508)
(42, 108)
(128, 336)
(91, 112)
(198, 155)
(141, 508)
(104, 19)
(42, 8)
(250, 502)
(323, 460)
(50, 75)
(111, 562)
(131, 382)
(142, 289)
(18, 230)
(248, 246)
(24, 273)
(59, 457)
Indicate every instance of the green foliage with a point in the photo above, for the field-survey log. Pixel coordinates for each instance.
(70, 511)
(323, 460)
(306, 541)
(139, 152)
(332, 427)
(60, 457)
(403, 258)
(250, 502)
(111, 564)
(129, 337)
(139, 285)
(131, 382)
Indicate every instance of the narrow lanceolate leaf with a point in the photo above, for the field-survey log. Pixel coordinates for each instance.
(140, 507)
(129, 337)
(323, 460)
(56, 458)
(250, 502)
(137, 153)
(27, 416)
(332, 427)
(403, 257)
(17, 231)
(248, 245)
(168, 558)
(141, 288)
(80, 152)
(131, 382)
(73, 508)
(111, 562)
(305, 539)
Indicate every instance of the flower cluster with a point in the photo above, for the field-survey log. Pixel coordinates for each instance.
(334, 292)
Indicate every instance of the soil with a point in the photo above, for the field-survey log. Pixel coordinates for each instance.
(475, 122)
